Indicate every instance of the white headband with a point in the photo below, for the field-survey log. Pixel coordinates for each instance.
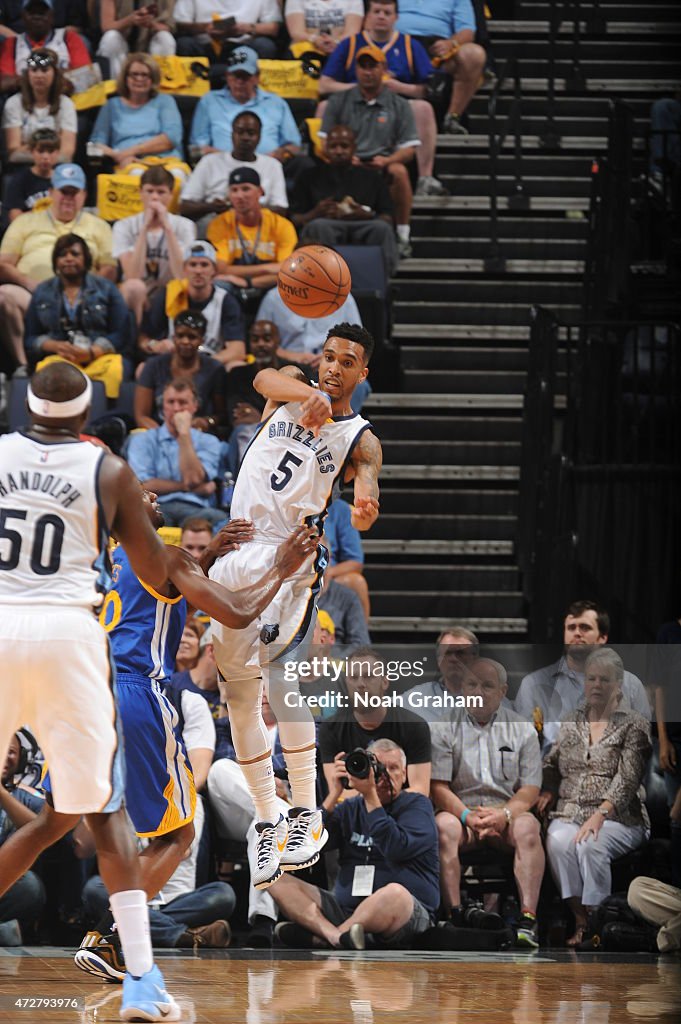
(60, 410)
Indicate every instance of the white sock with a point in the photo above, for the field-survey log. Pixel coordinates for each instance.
(302, 775)
(403, 231)
(259, 777)
(131, 913)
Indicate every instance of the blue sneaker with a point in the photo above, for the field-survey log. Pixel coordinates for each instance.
(146, 998)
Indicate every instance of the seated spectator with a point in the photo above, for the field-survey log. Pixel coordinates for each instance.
(592, 787)
(659, 904)
(23, 902)
(150, 245)
(78, 317)
(215, 112)
(205, 192)
(548, 695)
(39, 33)
(29, 188)
(203, 677)
(386, 143)
(71, 13)
(121, 21)
(345, 611)
(213, 28)
(185, 361)
(188, 651)
(40, 103)
(263, 349)
(447, 32)
(301, 337)
(341, 202)
(388, 833)
(486, 779)
(347, 556)
(177, 462)
(408, 68)
(357, 726)
(321, 24)
(196, 292)
(253, 239)
(139, 121)
(196, 537)
(457, 648)
(234, 814)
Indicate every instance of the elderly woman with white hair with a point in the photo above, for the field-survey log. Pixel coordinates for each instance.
(592, 784)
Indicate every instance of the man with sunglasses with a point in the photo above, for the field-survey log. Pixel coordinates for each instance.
(39, 31)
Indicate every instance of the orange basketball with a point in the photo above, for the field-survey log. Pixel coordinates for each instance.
(314, 281)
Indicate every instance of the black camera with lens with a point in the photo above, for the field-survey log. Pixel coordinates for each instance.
(360, 762)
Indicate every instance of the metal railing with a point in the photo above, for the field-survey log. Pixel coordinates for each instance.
(518, 198)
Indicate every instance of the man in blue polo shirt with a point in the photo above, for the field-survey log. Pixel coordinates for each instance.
(212, 123)
(446, 28)
(408, 67)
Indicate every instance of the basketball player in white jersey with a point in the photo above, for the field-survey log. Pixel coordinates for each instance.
(306, 448)
(58, 500)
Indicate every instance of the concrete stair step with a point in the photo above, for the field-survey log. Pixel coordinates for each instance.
(465, 429)
(397, 628)
(436, 577)
(505, 452)
(432, 604)
(444, 527)
(421, 497)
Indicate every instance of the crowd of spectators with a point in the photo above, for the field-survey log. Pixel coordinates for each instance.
(442, 790)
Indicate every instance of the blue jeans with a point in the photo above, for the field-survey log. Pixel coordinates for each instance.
(24, 900)
(208, 903)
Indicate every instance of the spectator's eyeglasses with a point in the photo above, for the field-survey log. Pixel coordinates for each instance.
(41, 62)
(139, 74)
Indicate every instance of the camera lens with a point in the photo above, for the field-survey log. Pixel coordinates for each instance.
(358, 763)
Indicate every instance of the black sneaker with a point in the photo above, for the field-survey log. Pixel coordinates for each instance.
(261, 933)
(526, 932)
(354, 938)
(294, 935)
(102, 956)
(476, 917)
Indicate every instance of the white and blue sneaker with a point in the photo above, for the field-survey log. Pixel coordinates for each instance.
(270, 844)
(146, 998)
(306, 837)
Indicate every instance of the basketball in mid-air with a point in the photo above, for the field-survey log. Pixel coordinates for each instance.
(314, 281)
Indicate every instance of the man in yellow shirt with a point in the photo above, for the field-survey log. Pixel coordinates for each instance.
(248, 236)
(26, 252)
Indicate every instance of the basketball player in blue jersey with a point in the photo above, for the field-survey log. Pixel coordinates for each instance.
(58, 500)
(145, 627)
(309, 443)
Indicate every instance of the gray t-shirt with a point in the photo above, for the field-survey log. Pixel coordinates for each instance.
(127, 231)
(381, 125)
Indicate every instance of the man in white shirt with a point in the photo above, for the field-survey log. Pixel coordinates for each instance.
(204, 194)
(150, 245)
(212, 28)
(547, 695)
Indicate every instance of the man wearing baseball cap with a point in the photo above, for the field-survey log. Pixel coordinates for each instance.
(385, 132)
(26, 250)
(250, 237)
(212, 123)
(196, 291)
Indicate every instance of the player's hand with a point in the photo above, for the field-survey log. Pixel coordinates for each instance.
(315, 411)
(232, 536)
(336, 786)
(364, 513)
(295, 550)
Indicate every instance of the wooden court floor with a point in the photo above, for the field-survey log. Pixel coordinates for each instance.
(244, 987)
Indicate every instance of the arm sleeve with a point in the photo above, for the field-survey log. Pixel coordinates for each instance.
(422, 66)
(232, 320)
(7, 63)
(207, 448)
(141, 455)
(13, 240)
(331, 116)
(123, 239)
(288, 129)
(636, 750)
(11, 115)
(68, 118)
(199, 730)
(277, 195)
(32, 330)
(287, 238)
(170, 120)
(147, 378)
(78, 51)
(335, 62)
(102, 129)
(196, 185)
(442, 752)
(410, 837)
(530, 773)
(184, 12)
(638, 698)
(407, 134)
(463, 16)
(270, 11)
(200, 134)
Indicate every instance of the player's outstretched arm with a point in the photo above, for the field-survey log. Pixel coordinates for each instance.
(237, 610)
(123, 500)
(366, 460)
(283, 385)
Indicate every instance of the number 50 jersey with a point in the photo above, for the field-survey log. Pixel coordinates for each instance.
(288, 476)
(53, 534)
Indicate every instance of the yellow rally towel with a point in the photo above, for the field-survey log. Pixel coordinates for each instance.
(118, 196)
(107, 368)
(286, 78)
(178, 78)
(95, 96)
(177, 297)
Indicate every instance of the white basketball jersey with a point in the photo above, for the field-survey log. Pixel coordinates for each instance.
(287, 475)
(53, 535)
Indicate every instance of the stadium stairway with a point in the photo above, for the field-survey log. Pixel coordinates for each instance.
(443, 548)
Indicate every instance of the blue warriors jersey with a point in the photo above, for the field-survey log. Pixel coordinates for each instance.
(406, 59)
(144, 628)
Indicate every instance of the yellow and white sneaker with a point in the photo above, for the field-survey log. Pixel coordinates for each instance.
(270, 845)
(306, 837)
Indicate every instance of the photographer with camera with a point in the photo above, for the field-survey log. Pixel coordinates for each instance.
(388, 879)
(358, 725)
